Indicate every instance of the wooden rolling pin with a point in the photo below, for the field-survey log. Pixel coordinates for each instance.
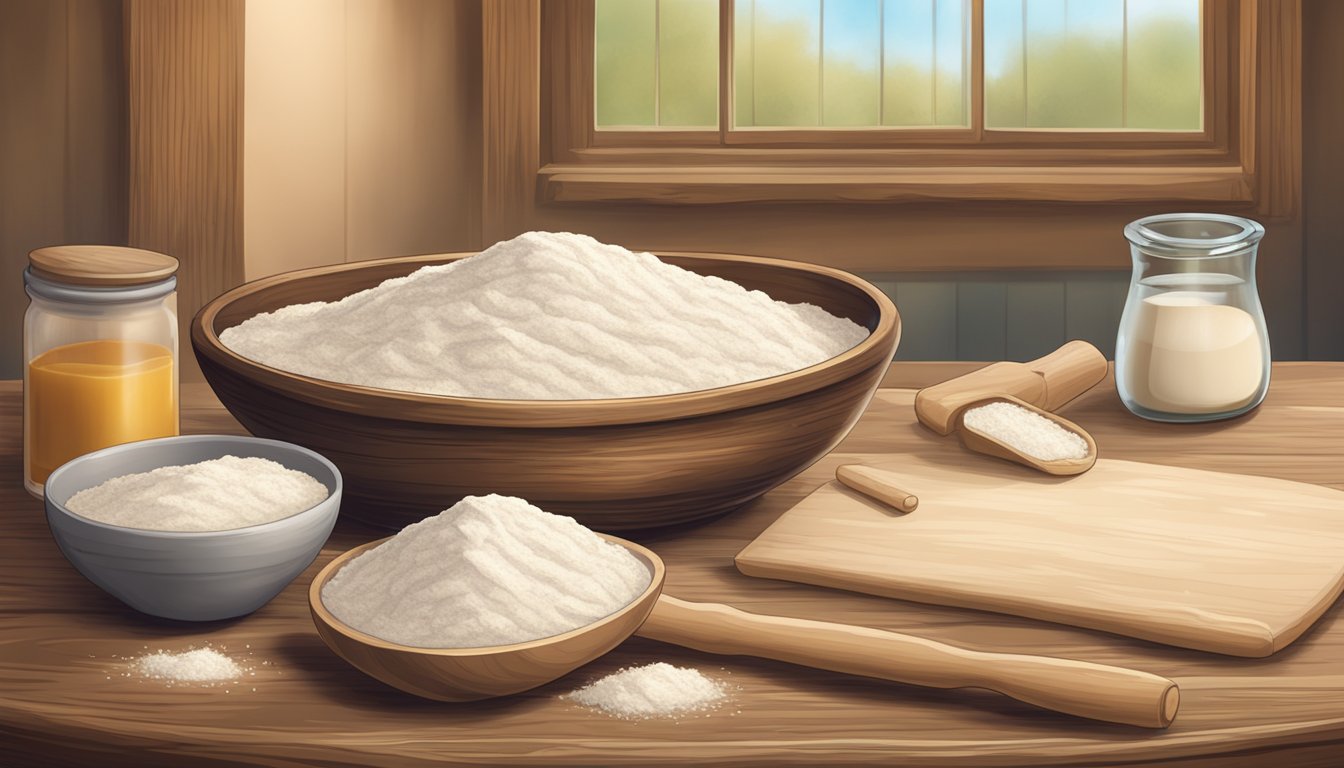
(1048, 382)
(876, 485)
(1096, 691)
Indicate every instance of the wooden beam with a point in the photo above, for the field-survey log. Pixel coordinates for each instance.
(185, 91)
(511, 115)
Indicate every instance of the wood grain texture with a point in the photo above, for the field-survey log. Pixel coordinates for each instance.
(101, 265)
(61, 634)
(1218, 562)
(62, 140)
(473, 674)
(1049, 382)
(1099, 692)
(185, 65)
(510, 116)
(407, 455)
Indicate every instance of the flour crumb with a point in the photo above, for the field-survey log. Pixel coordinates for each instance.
(199, 665)
(653, 690)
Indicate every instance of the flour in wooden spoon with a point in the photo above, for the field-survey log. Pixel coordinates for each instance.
(547, 316)
(490, 570)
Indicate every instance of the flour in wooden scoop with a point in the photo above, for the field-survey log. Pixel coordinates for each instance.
(547, 316)
(490, 570)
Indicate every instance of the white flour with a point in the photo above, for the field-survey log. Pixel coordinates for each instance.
(547, 316)
(216, 495)
(490, 570)
(653, 690)
(195, 666)
(1026, 431)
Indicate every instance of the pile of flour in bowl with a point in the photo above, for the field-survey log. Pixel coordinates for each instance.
(547, 316)
(490, 570)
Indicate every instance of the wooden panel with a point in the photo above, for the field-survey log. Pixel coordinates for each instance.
(706, 185)
(981, 308)
(1033, 319)
(294, 131)
(510, 130)
(185, 64)
(1279, 25)
(413, 154)
(96, 181)
(928, 320)
(1323, 163)
(60, 707)
(1092, 309)
(32, 152)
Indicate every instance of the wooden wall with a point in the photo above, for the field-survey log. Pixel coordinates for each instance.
(1323, 179)
(62, 140)
(359, 130)
(185, 94)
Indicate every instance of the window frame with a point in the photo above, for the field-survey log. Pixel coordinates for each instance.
(1248, 71)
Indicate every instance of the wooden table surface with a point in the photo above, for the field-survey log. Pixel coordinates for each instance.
(65, 699)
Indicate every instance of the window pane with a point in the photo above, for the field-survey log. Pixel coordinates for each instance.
(784, 59)
(907, 80)
(949, 34)
(624, 66)
(656, 63)
(850, 62)
(1163, 83)
(1109, 64)
(688, 63)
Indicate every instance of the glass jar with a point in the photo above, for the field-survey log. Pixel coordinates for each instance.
(1192, 344)
(100, 353)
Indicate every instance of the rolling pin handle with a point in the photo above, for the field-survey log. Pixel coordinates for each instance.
(1068, 372)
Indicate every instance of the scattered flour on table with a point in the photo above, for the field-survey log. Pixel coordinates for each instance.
(490, 570)
(194, 666)
(1026, 431)
(653, 690)
(547, 316)
(216, 495)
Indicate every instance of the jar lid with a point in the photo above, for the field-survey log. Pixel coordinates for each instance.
(101, 265)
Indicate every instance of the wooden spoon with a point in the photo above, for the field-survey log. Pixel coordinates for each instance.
(1096, 691)
(991, 446)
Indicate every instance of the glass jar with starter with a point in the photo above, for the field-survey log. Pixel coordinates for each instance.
(100, 352)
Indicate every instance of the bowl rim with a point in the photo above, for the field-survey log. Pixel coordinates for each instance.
(474, 411)
(335, 494)
(658, 573)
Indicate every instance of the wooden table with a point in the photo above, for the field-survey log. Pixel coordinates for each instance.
(64, 698)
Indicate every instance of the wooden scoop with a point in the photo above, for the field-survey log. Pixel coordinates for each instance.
(1048, 382)
(991, 446)
(1079, 688)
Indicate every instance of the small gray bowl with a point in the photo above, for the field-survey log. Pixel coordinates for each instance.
(192, 576)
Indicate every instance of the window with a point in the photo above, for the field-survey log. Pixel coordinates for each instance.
(1048, 64)
(1096, 101)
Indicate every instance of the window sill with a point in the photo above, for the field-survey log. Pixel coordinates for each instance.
(704, 185)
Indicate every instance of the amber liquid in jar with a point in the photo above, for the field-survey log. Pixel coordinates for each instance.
(93, 394)
(100, 345)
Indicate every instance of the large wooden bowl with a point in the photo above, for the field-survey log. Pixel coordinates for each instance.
(471, 674)
(615, 465)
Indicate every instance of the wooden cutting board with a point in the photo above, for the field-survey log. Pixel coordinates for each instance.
(1219, 562)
